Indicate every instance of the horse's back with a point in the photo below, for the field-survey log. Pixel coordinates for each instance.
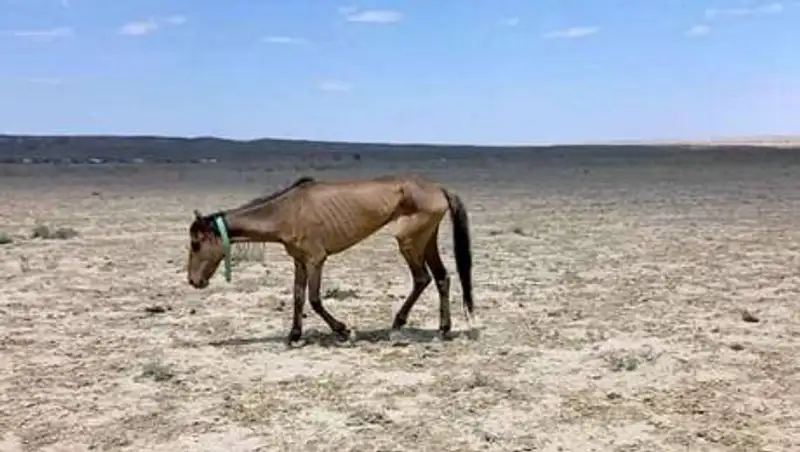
(342, 213)
(408, 193)
(339, 214)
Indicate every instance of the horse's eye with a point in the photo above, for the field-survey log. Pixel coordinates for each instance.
(195, 246)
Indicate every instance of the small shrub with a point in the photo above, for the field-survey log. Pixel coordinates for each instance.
(44, 232)
(5, 238)
(65, 233)
(623, 363)
(157, 371)
(516, 230)
(41, 232)
(24, 264)
(340, 294)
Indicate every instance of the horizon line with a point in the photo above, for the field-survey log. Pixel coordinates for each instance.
(755, 140)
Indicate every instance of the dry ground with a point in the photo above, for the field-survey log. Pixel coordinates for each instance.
(611, 299)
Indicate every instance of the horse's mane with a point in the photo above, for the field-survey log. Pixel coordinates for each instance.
(208, 220)
(266, 198)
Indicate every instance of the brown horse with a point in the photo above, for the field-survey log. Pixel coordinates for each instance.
(316, 219)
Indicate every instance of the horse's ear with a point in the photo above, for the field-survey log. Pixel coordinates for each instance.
(197, 214)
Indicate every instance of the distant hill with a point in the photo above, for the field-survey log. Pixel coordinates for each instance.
(139, 149)
(178, 149)
(771, 141)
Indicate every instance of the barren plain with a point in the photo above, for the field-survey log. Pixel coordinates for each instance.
(625, 306)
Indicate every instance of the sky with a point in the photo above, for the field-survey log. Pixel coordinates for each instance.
(421, 71)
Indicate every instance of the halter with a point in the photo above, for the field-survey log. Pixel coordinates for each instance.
(226, 244)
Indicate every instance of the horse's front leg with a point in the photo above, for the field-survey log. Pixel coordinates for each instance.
(299, 299)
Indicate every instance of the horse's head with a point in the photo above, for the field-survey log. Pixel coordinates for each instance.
(207, 248)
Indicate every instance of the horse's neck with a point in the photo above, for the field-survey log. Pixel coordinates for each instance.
(254, 225)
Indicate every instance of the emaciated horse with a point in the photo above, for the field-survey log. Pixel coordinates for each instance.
(316, 219)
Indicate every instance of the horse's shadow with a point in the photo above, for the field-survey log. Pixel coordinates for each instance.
(409, 336)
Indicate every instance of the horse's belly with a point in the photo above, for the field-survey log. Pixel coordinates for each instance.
(346, 239)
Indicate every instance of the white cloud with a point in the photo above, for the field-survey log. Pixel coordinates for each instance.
(374, 16)
(146, 27)
(713, 13)
(140, 28)
(510, 21)
(45, 34)
(334, 85)
(769, 8)
(45, 80)
(572, 33)
(347, 9)
(288, 40)
(698, 30)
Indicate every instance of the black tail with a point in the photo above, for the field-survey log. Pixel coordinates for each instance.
(461, 246)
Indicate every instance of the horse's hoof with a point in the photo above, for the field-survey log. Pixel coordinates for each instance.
(347, 339)
(345, 335)
(398, 338)
(294, 339)
(296, 344)
(444, 336)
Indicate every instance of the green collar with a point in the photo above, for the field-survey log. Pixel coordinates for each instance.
(226, 244)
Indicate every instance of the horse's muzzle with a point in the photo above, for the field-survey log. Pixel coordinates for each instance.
(201, 284)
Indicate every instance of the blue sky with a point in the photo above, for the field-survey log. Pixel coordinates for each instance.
(457, 71)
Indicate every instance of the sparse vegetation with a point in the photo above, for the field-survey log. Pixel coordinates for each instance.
(45, 232)
(613, 325)
(518, 231)
(24, 264)
(157, 371)
(336, 293)
(5, 238)
(626, 363)
(630, 360)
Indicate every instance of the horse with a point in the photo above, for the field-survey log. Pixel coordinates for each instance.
(316, 219)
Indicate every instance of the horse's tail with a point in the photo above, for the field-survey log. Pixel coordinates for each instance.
(462, 249)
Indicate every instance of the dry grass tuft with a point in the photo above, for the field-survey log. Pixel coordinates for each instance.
(630, 360)
(45, 232)
(157, 371)
(336, 293)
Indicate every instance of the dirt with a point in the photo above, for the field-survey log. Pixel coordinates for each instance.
(612, 301)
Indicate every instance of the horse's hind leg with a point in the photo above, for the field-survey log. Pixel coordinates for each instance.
(434, 262)
(412, 247)
(421, 279)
